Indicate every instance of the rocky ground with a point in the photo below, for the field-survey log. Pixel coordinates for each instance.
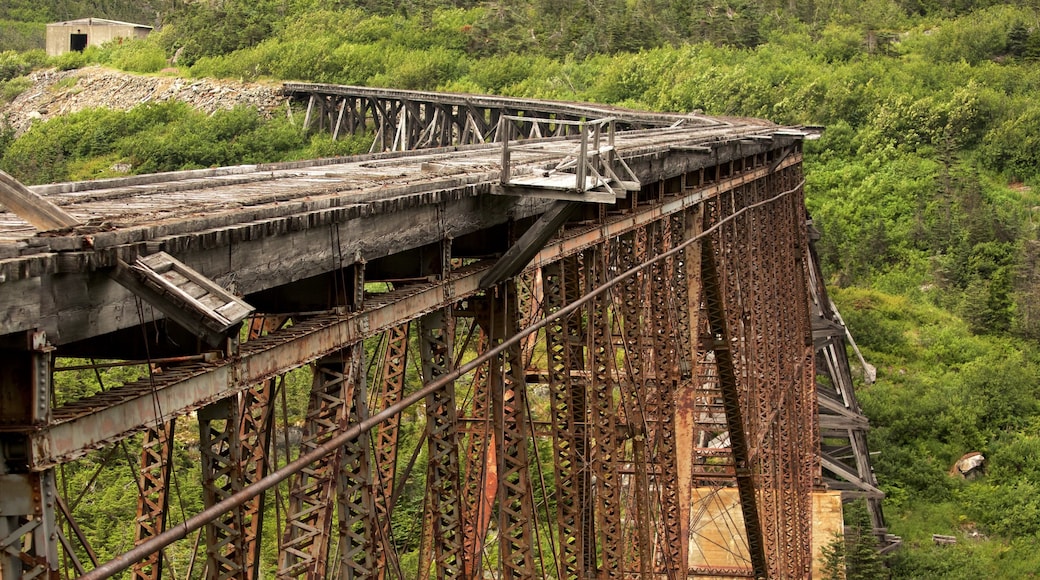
(61, 92)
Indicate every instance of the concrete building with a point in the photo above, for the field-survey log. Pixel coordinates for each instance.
(77, 35)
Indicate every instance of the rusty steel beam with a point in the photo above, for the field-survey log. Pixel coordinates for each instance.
(437, 332)
(480, 481)
(628, 306)
(355, 490)
(498, 315)
(307, 534)
(722, 345)
(606, 446)
(568, 415)
(392, 383)
(153, 501)
(222, 464)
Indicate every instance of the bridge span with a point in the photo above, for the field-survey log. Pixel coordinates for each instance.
(607, 329)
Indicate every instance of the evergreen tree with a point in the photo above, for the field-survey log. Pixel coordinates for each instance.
(862, 559)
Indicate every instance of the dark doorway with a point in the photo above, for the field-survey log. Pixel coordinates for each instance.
(78, 42)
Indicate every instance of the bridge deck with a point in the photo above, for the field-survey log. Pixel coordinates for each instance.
(150, 205)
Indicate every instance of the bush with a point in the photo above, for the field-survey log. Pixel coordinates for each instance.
(15, 64)
(1013, 147)
(9, 90)
(141, 56)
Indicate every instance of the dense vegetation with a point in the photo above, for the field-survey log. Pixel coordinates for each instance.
(923, 184)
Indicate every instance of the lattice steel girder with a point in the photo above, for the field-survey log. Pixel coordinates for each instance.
(688, 405)
(153, 501)
(564, 340)
(666, 310)
(629, 299)
(480, 483)
(392, 382)
(356, 511)
(437, 344)
(221, 451)
(606, 446)
(499, 318)
(306, 538)
(731, 399)
(286, 349)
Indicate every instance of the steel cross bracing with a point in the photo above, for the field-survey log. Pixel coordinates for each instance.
(694, 374)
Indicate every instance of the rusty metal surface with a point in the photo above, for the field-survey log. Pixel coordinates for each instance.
(90, 423)
(153, 501)
(437, 341)
(498, 315)
(221, 463)
(564, 341)
(355, 490)
(391, 383)
(307, 534)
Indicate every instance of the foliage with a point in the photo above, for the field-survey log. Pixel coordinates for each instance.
(15, 64)
(21, 36)
(158, 137)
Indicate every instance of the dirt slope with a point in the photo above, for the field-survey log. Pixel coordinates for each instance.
(60, 92)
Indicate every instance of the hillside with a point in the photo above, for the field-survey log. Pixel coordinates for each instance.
(55, 93)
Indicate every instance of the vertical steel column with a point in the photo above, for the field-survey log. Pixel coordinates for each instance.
(606, 445)
(153, 503)
(305, 544)
(437, 345)
(354, 485)
(687, 400)
(568, 415)
(509, 404)
(235, 439)
(392, 381)
(480, 483)
(628, 297)
(29, 534)
(731, 395)
(222, 476)
(662, 322)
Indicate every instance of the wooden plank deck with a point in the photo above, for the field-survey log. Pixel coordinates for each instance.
(204, 196)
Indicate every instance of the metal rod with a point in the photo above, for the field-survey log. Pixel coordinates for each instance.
(207, 357)
(124, 561)
(65, 511)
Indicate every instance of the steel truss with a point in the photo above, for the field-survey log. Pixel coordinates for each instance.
(696, 373)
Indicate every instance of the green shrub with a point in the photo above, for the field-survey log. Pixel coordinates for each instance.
(141, 56)
(70, 60)
(9, 90)
(1013, 147)
(22, 36)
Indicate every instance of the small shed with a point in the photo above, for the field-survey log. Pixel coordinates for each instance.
(77, 35)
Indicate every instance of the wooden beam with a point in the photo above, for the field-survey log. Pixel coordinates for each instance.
(32, 207)
(529, 244)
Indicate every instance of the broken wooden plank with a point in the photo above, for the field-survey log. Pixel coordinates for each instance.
(32, 207)
(186, 296)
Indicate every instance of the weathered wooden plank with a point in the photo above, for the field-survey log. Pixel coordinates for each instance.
(32, 207)
(19, 305)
